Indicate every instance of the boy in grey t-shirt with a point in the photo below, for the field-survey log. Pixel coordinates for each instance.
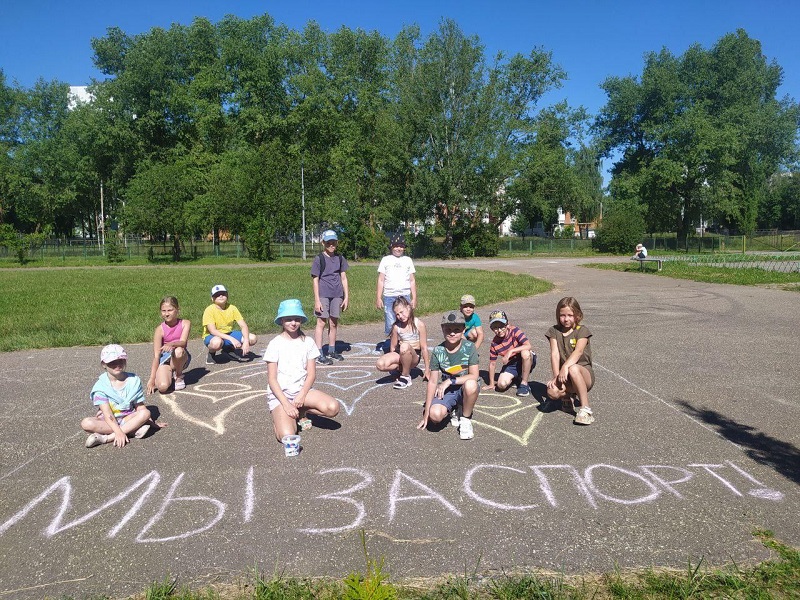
(331, 294)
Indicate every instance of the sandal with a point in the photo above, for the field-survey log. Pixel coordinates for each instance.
(403, 382)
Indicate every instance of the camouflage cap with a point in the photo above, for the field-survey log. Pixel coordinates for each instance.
(453, 317)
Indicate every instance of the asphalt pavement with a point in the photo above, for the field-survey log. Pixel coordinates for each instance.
(695, 446)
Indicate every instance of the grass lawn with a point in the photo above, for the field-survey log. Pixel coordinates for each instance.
(47, 308)
(697, 272)
(776, 578)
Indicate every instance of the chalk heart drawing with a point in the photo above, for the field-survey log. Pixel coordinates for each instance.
(505, 414)
(208, 404)
(360, 381)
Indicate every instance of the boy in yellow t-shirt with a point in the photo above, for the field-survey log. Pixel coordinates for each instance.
(219, 320)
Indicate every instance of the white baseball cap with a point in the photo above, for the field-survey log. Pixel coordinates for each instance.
(217, 289)
(112, 352)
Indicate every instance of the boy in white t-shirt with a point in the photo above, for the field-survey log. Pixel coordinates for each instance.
(395, 279)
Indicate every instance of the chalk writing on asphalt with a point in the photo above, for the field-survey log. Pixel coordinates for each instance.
(352, 496)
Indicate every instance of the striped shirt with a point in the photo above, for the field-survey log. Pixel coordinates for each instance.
(514, 337)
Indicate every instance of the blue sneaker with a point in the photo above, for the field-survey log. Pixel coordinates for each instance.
(523, 389)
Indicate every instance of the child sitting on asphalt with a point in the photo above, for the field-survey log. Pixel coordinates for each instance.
(457, 361)
(571, 360)
(512, 346)
(170, 355)
(119, 398)
(219, 320)
(409, 341)
(473, 330)
(291, 371)
(331, 294)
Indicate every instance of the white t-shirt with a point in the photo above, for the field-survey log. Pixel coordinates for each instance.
(292, 356)
(397, 272)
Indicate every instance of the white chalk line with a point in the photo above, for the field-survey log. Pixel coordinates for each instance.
(50, 449)
(665, 403)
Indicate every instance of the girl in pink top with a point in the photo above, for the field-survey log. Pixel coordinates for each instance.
(170, 356)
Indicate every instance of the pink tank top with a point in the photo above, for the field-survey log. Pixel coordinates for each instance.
(172, 334)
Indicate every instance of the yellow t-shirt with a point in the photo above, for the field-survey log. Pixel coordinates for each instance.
(224, 320)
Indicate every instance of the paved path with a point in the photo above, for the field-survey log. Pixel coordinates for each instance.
(695, 445)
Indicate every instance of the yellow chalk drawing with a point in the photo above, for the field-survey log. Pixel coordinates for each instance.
(497, 408)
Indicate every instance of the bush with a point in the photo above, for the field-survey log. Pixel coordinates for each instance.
(363, 242)
(620, 231)
(258, 239)
(21, 245)
(477, 240)
(115, 253)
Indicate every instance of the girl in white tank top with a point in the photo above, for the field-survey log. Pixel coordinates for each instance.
(409, 342)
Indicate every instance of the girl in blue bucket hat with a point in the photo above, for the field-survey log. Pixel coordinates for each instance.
(291, 371)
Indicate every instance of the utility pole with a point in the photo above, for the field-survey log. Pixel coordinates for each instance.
(102, 232)
(303, 203)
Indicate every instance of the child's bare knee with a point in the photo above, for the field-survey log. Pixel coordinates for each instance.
(87, 424)
(437, 413)
(253, 339)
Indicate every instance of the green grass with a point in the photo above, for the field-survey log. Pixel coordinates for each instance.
(778, 578)
(47, 308)
(698, 272)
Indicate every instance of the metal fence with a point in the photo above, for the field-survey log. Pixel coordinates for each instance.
(131, 248)
(539, 245)
(782, 263)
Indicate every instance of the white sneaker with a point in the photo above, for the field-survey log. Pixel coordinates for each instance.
(403, 382)
(96, 439)
(454, 419)
(584, 416)
(142, 431)
(465, 431)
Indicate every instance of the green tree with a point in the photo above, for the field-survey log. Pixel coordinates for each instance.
(157, 196)
(699, 134)
(44, 195)
(469, 121)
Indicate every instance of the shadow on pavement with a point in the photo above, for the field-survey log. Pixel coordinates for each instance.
(321, 422)
(765, 449)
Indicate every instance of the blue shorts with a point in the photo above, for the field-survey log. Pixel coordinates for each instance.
(237, 335)
(454, 395)
(166, 356)
(512, 368)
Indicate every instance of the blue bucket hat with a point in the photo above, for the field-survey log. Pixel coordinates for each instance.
(290, 308)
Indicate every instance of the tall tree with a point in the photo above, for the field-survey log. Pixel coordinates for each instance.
(469, 121)
(699, 134)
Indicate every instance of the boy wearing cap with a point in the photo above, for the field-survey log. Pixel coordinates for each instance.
(473, 328)
(331, 294)
(119, 398)
(395, 279)
(512, 345)
(219, 320)
(457, 361)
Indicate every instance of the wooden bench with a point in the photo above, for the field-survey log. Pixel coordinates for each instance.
(660, 262)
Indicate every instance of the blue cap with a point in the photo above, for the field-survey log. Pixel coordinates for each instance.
(329, 235)
(290, 308)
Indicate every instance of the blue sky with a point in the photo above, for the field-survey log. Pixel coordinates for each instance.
(591, 40)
